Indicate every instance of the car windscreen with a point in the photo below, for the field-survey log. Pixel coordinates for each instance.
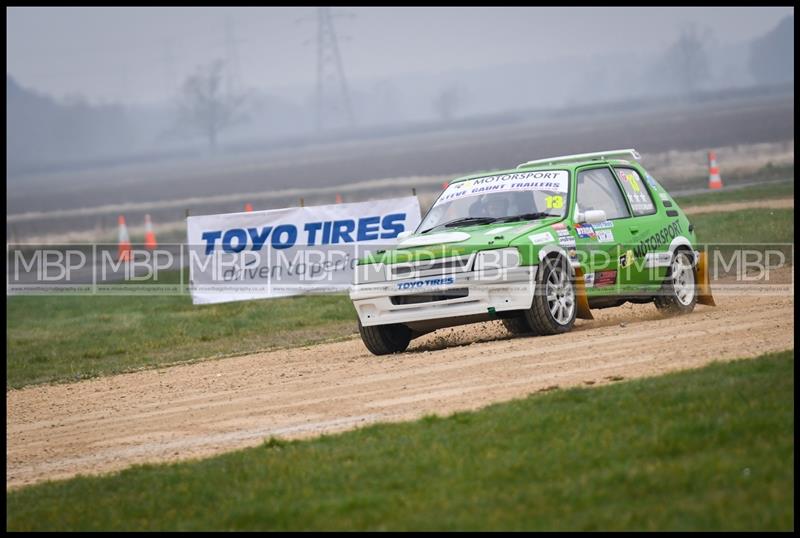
(492, 198)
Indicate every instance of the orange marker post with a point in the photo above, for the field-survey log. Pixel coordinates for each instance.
(714, 180)
(124, 243)
(149, 235)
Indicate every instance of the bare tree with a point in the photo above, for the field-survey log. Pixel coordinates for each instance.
(206, 107)
(684, 67)
(691, 58)
(447, 102)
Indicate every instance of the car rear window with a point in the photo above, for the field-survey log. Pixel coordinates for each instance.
(638, 195)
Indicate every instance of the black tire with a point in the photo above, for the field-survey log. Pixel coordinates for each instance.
(518, 326)
(385, 339)
(678, 296)
(540, 315)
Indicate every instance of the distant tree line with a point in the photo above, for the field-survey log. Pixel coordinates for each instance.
(40, 129)
(772, 55)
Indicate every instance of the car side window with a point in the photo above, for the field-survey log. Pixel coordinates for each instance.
(597, 189)
(635, 190)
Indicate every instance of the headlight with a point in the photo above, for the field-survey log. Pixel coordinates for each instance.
(496, 259)
(369, 272)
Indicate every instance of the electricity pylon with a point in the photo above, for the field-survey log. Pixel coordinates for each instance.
(233, 71)
(332, 93)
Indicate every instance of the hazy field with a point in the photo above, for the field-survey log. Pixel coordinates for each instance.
(673, 139)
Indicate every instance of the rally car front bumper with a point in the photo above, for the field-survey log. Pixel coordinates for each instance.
(456, 295)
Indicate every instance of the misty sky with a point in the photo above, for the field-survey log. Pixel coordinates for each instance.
(142, 54)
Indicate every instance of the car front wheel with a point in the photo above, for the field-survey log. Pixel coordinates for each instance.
(518, 326)
(385, 339)
(554, 305)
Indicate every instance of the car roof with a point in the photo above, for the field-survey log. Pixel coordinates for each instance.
(570, 166)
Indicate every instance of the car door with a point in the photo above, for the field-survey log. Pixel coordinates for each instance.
(635, 273)
(598, 244)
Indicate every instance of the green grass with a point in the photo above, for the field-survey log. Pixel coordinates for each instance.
(749, 236)
(744, 194)
(745, 226)
(66, 338)
(707, 449)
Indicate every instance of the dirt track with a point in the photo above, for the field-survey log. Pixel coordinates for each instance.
(196, 410)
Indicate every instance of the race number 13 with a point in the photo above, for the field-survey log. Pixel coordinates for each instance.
(554, 202)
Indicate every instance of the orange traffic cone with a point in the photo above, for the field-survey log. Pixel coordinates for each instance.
(714, 181)
(338, 198)
(124, 247)
(149, 234)
(444, 185)
(248, 206)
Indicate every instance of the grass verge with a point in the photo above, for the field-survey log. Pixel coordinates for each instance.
(67, 338)
(756, 226)
(744, 194)
(706, 449)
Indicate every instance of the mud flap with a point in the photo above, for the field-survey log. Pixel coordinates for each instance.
(580, 296)
(703, 284)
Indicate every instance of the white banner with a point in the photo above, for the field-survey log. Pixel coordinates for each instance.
(292, 251)
(551, 181)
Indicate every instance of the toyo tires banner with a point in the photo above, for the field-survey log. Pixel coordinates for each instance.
(292, 251)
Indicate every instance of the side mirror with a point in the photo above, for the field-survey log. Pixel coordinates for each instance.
(595, 216)
(592, 216)
(403, 235)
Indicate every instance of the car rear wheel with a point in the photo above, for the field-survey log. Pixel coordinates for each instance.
(385, 339)
(554, 305)
(678, 293)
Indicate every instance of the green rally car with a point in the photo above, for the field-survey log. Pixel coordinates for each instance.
(537, 247)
